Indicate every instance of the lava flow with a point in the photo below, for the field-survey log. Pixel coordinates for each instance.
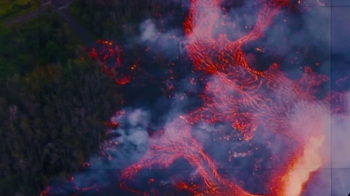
(241, 105)
(247, 99)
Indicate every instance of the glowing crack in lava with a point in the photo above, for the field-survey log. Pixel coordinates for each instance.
(254, 103)
(106, 53)
(247, 99)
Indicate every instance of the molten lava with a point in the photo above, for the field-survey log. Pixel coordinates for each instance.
(253, 103)
(247, 99)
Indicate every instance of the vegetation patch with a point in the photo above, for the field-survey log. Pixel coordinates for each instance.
(12, 8)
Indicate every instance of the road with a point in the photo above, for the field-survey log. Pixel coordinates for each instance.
(60, 3)
(57, 4)
(83, 34)
(25, 17)
(61, 7)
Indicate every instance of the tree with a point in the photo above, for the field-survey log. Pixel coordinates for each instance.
(51, 120)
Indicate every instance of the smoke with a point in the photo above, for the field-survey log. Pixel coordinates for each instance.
(320, 3)
(307, 127)
(123, 146)
(340, 159)
(132, 137)
(305, 123)
(340, 181)
(333, 177)
(148, 31)
(340, 143)
(160, 40)
(314, 3)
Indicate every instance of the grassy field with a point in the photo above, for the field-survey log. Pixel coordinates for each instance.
(13, 8)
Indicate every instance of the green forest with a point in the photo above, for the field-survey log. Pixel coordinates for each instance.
(12, 8)
(37, 43)
(52, 104)
(119, 19)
